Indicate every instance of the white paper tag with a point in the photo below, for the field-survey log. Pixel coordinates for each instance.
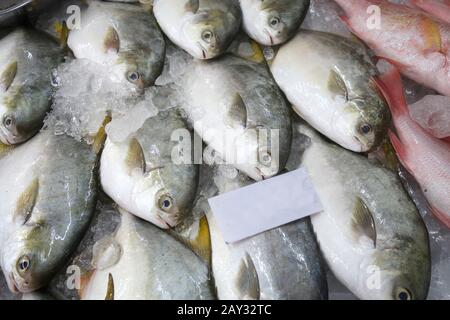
(265, 205)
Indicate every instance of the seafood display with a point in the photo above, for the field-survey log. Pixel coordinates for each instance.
(149, 150)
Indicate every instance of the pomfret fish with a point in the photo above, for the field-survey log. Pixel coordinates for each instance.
(370, 233)
(47, 204)
(330, 80)
(142, 176)
(279, 264)
(273, 22)
(240, 113)
(26, 64)
(142, 262)
(123, 36)
(203, 28)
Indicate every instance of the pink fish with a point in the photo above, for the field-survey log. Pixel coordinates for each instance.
(427, 158)
(413, 40)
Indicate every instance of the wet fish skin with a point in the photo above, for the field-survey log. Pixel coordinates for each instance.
(370, 232)
(335, 91)
(240, 113)
(426, 157)
(416, 42)
(26, 64)
(123, 36)
(280, 264)
(141, 176)
(47, 207)
(166, 269)
(273, 22)
(203, 28)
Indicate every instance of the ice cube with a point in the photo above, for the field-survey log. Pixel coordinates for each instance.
(433, 114)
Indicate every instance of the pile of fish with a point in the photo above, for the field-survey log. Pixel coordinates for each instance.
(105, 190)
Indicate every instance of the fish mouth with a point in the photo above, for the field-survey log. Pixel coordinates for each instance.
(362, 147)
(166, 223)
(203, 50)
(270, 37)
(12, 284)
(5, 137)
(261, 174)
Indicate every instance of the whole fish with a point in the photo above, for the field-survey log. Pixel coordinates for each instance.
(142, 176)
(203, 28)
(123, 36)
(273, 22)
(370, 233)
(47, 204)
(335, 91)
(279, 264)
(417, 43)
(427, 158)
(239, 111)
(141, 262)
(26, 64)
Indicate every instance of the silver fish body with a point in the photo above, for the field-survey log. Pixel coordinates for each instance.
(142, 176)
(240, 113)
(203, 28)
(48, 203)
(370, 232)
(141, 262)
(280, 264)
(331, 83)
(26, 65)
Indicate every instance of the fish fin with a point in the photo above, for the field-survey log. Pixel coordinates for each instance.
(112, 40)
(390, 84)
(27, 201)
(202, 243)
(431, 34)
(192, 6)
(106, 253)
(85, 278)
(135, 157)
(62, 31)
(337, 85)
(110, 288)
(363, 222)
(8, 76)
(100, 137)
(238, 111)
(248, 281)
(399, 149)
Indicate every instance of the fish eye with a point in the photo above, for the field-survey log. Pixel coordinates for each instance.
(23, 264)
(366, 128)
(265, 158)
(133, 76)
(9, 121)
(165, 203)
(403, 294)
(207, 36)
(274, 21)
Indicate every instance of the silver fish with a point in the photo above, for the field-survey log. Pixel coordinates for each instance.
(26, 64)
(47, 204)
(279, 264)
(141, 175)
(124, 37)
(240, 113)
(370, 232)
(141, 262)
(273, 22)
(203, 28)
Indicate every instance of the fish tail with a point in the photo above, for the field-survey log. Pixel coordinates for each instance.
(390, 84)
